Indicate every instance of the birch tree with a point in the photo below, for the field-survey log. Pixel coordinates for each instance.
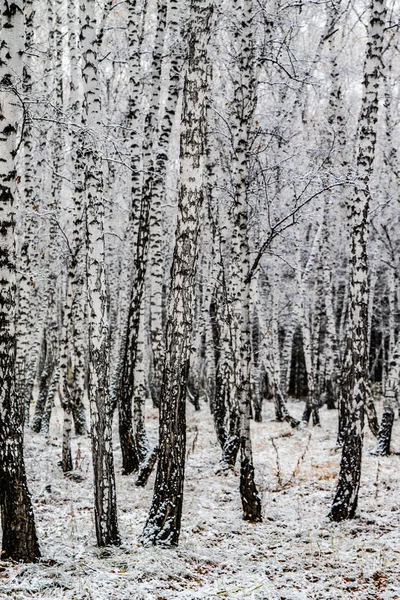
(164, 522)
(243, 106)
(99, 399)
(158, 194)
(18, 525)
(131, 452)
(355, 372)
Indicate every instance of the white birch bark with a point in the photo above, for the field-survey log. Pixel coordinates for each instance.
(389, 403)
(164, 521)
(17, 521)
(130, 346)
(355, 371)
(101, 413)
(157, 260)
(243, 106)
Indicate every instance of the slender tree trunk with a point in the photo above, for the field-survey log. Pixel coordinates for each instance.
(256, 350)
(391, 391)
(164, 521)
(220, 401)
(26, 285)
(99, 351)
(130, 459)
(312, 404)
(17, 520)
(355, 375)
(271, 351)
(158, 192)
(49, 350)
(72, 365)
(141, 393)
(225, 406)
(244, 101)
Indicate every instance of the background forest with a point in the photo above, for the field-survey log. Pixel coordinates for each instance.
(199, 212)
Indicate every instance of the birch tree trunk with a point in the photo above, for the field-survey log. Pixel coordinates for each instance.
(26, 358)
(77, 338)
(219, 404)
(130, 459)
(99, 399)
(18, 525)
(355, 370)
(244, 100)
(389, 402)
(164, 521)
(271, 351)
(158, 197)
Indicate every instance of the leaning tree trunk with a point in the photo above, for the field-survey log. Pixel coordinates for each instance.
(99, 400)
(18, 525)
(355, 374)
(164, 521)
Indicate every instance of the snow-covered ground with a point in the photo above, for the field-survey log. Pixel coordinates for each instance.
(296, 553)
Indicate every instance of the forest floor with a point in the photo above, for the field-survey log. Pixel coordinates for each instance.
(295, 554)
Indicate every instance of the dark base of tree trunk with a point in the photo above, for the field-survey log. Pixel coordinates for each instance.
(278, 411)
(309, 412)
(221, 432)
(315, 417)
(42, 401)
(282, 413)
(130, 459)
(257, 410)
(330, 396)
(111, 537)
(36, 423)
(305, 417)
(159, 532)
(385, 433)
(146, 468)
(346, 497)
(193, 395)
(251, 502)
(20, 542)
(66, 462)
(219, 412)
(163, 525)
(130, 462)
(292, 421)
(27, 401)
(232, 443)
(156, 401)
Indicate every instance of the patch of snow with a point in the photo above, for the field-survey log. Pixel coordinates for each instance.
(295, 554)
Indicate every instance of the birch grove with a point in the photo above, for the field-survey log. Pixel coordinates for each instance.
(199, 218)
